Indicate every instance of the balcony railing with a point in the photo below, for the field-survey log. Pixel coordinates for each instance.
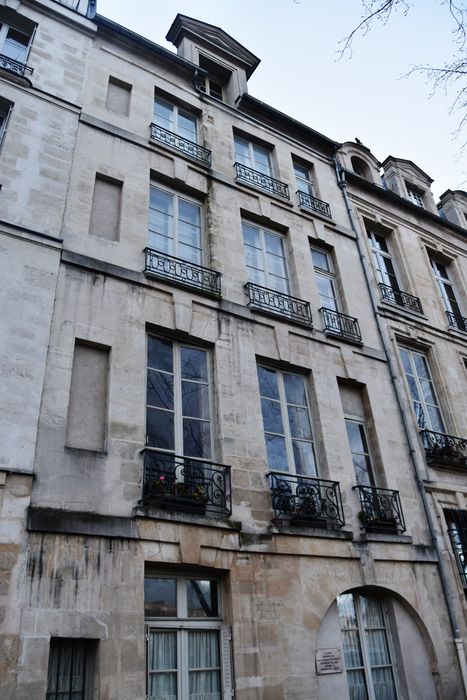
(381, 509)
(178, 143)
(395, 296)
(444, 450)
(184, 484)
(317, 205)
(341, 325)
(306, 500)
(264, 182)
(15, 67)
(182, 273)
(271, 302)
(456, 321)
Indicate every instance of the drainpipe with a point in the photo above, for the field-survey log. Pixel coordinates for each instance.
(447, 592)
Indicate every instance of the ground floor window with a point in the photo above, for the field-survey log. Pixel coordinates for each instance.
(70, 669)
(367, 648)
(188, 651)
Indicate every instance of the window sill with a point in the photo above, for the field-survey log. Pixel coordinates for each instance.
(384, 537)
(15, 77)
(249, 186)
(85, 451)
(151, 512)
(387, 305)
(280, 526)
(345, 338)
(177, 152)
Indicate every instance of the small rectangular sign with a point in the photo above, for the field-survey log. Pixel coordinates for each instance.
(328, 661)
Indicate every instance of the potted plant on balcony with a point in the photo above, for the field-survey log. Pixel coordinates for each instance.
(179, 495)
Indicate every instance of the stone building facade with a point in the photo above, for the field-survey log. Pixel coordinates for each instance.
(216, 322)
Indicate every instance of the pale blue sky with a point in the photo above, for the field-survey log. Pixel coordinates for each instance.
(365, 97)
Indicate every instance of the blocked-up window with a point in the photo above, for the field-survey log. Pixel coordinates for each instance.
(106, 208)
(87, 406)
(118, 96)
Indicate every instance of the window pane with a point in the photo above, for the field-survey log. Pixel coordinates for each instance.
(272, 416)
(204, 665)
(355, 435)
(163, 665)
(277, 454)
(16, 45)
(196, 438)
(274, 244)
(347, 612)
(251, 235)
(268, 383)
(254, 257)
(160, 598)
(163, 114)
(320, 259)
(201, 598)
(242, 154)
(160, 392)
(295, 389)
(160, 429)
(262, 160)
(187, 126)
(357, 686)
(194, 363)
(160, 354)
(195, 400)
(383, 683)
(299, 421)
(304, 458)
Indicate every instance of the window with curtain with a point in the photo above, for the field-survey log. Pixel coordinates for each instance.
(69, 673)
(175, 225)
(286, 422)
(422, 390)
(187, 652)
(367, 648)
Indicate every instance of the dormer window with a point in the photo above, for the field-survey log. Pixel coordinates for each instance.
(415, 196)
(211, 87)
(217, 80)
(360, 167)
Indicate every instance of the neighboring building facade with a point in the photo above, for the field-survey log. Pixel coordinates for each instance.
(212, 485)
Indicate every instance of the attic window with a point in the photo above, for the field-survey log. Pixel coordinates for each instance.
(215, 83)
(360, 167)
(415, 196)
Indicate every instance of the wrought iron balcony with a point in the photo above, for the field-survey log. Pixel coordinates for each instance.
(306, 201)
(456, 321)
(178, 143)
(341, 325)
(395, 296)
(15, 67)
(182, 273)
(381, 509)
(264, 182)
(444, 450)
(271, 302)
(185, 484)
(306, 500)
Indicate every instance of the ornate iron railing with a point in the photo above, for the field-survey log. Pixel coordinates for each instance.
(185, 484)
(264, 182)
(188, 148)
(306, 499)
(381, 509)
(458, 539)
(444, 449)
(317, 205)
(341, 325)
(272, 302)
(15, 67)
(456, 321)
(182, 272)
(395, 296)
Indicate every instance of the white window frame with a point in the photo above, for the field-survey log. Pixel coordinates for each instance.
(364, 453)
(176, 112)
(4, 29)
(251, 161)
(266, 273)
(304, 179)
(174, 241)
(329, 275)
(414, 195)
(182, 625)
(212, 87)
(379, 259)
(426, 423)
(284, 405)
(444, 282)
(178, 417)
(361, 630)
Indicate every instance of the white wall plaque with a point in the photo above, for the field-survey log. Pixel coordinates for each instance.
(328, 661)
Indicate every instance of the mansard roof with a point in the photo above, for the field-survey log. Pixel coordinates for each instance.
(213, 38)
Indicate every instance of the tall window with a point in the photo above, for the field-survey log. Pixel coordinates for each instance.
(14, 42)
(382, 257)
(367, 648)
(178, 398)
(414, 196)
(325, 279)
(360, 452)
(303, 179)
(69, 675)
(287, 422)
(457, 529)
(253, 155)
(446, 288)
(175, 225)
(422, 390)
(188, 647)
(265, 258)
(175, 119)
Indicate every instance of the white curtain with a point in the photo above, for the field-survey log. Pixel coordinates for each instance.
(204, 665)
(163, 666)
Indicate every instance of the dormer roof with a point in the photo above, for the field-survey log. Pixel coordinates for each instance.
(214, 39)
(409, 165)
